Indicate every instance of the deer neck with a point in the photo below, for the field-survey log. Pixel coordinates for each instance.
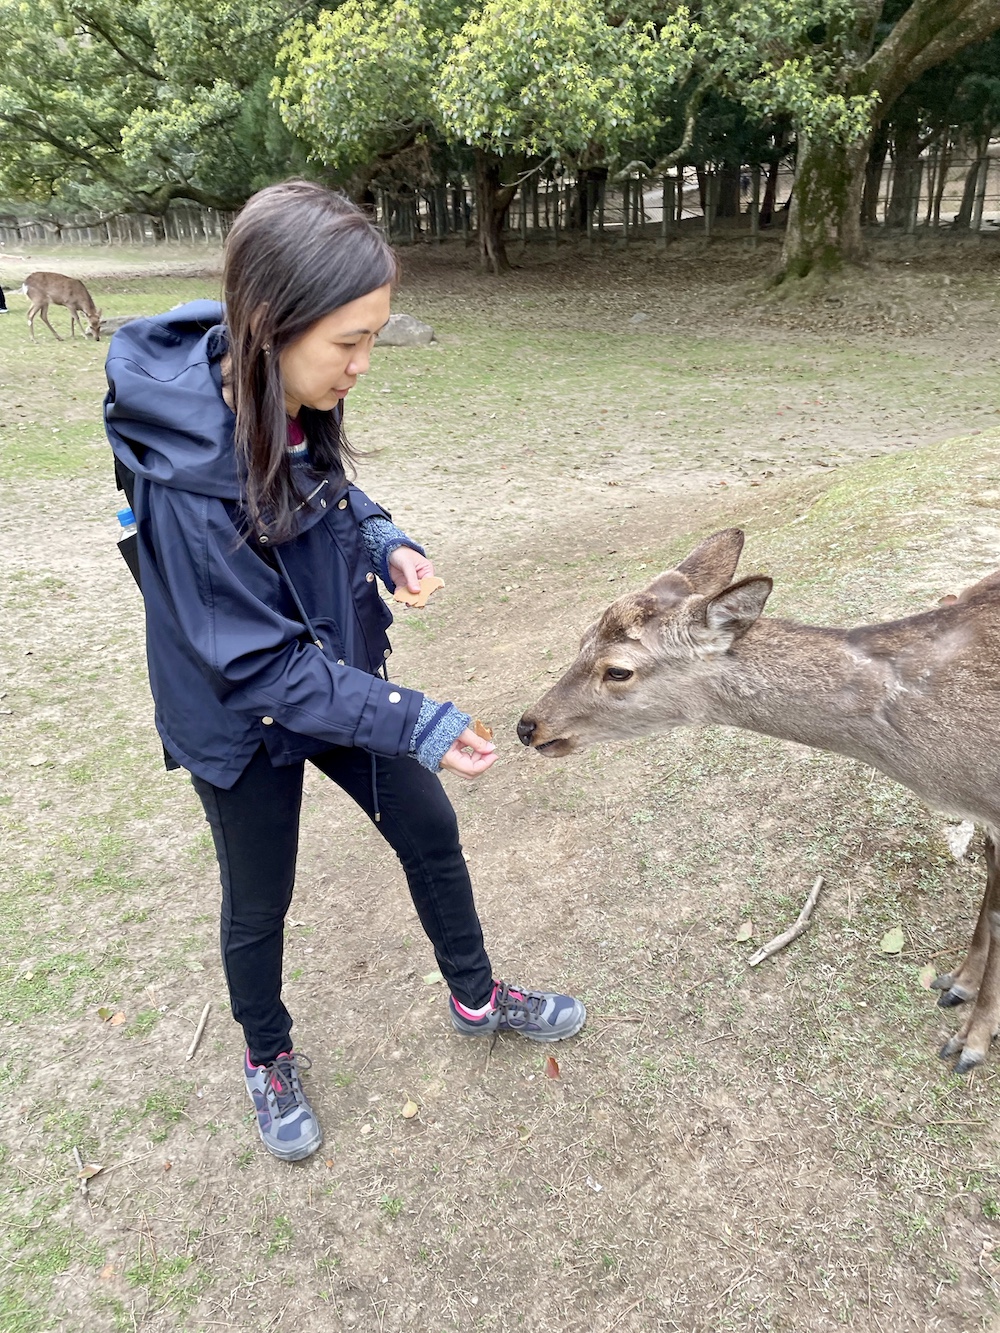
(817, 686)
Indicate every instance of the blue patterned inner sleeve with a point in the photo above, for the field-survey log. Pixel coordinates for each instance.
(381, 537)
(437, 728)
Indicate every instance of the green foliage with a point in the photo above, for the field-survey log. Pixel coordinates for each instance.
(357, 81)
(556, 77)
(115, 104)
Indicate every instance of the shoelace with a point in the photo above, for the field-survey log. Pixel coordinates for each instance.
(281, 1077)
(518, 1008)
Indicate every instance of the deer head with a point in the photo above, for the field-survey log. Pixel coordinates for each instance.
(94, 326)
(645, 666)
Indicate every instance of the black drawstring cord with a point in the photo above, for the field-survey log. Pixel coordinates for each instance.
(296, 599)
(319, 644)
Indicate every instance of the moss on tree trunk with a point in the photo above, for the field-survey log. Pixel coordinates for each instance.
(824, 225)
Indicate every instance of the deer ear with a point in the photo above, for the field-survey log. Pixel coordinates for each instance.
(731, 613)
(710, 567)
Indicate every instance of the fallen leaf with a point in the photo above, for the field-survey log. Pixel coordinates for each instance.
(88, 1171)
(167, 1166)
(409, 1110)
(104, 1013)
(329, 1162)
(484, 732)
(892, 940)
(432, 977)
(551, 1067)
(926, 975)
(117, 1020)
(523, 1133)
(107, 1272)
(428, 586)
(744, 932)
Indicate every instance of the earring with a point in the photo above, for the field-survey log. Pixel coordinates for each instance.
(267, 348)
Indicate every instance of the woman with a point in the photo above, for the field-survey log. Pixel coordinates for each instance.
(266, 636)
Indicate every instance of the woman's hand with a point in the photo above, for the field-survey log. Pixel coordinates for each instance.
(459, 760)
(408, 567)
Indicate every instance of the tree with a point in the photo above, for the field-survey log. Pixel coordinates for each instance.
(114, 105)
(516, 80)
(547, 79)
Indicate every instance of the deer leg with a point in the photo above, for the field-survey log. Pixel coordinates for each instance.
(974, 1037)
(44, 312)
(964, 984)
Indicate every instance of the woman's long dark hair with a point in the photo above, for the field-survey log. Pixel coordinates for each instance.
(296, 252)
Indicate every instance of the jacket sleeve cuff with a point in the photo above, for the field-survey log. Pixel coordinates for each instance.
(381, 538)
(437, 728)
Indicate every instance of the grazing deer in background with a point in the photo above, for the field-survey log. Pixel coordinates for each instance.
(45, 289)
(918, 699)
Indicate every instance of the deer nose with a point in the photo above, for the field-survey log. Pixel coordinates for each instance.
(525, 730)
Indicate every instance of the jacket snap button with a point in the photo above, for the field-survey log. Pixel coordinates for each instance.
(369, 578)
(322, 504)
(341, 504)
(386, 652)
(262, 539)
(395, 697)
(268, 721)
(341, 662)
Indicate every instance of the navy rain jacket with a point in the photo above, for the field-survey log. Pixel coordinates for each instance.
(230, 661)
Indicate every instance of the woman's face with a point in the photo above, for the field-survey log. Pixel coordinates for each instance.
(319, 369)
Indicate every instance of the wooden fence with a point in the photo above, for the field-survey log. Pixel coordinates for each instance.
(935, 190)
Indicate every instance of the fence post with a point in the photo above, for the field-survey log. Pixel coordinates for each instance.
(980, 199)
(667, 210)
(709, 201)
(754, 205)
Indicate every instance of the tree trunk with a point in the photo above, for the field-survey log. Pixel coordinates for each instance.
(824, 225)
(906, 176)
(492, 201)
(963, 218)
(728, 191)
(873, 179)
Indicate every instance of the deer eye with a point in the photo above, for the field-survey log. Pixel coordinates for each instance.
(618, 673)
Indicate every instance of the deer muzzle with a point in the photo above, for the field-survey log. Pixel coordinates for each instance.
(536, 735)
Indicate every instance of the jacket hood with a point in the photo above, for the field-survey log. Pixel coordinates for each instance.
(164, 412)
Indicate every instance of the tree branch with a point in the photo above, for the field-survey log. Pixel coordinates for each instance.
(929, 33)
(88, 21)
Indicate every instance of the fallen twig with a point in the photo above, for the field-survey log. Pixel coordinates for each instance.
(198, 1031)
(84, 1184)
(793, 932)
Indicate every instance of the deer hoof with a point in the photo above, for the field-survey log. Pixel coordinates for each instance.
(952, 997)
(951, 1047)
(943, 981)
(968, 1060)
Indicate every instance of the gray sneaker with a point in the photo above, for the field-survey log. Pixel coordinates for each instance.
(287, 1123)
(535, 1014)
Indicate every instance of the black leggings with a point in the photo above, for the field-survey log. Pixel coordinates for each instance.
(255, 826)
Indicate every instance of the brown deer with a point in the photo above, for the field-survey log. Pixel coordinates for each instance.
(45, 289)
(918, 699)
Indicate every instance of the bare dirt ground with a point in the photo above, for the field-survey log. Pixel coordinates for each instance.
(725, 1149)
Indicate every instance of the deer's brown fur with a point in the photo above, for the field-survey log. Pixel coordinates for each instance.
(45, 289)
(918, 699)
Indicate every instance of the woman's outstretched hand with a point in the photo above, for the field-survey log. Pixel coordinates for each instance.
(408, 567)
(469, 765)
